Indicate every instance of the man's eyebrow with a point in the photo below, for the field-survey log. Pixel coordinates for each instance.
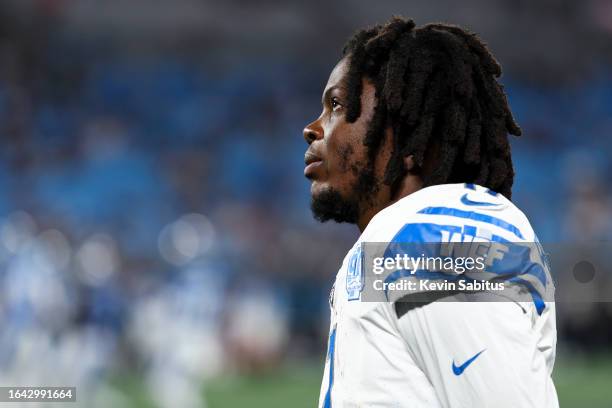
(328, 91)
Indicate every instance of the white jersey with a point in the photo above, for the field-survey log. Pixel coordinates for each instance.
(441, 354)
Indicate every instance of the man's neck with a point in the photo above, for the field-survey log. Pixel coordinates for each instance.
(409, 185)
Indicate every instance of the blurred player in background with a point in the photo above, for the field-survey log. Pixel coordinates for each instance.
(412, 142)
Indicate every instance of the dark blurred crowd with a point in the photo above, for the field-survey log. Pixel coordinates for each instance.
(154, 217)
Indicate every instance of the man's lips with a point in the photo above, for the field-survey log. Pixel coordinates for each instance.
(312, 161)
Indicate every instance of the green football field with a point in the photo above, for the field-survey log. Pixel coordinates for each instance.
(582, 382)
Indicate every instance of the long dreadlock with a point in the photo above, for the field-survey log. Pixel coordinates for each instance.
(436, 86)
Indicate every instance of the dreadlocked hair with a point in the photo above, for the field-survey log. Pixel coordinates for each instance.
(435, 84)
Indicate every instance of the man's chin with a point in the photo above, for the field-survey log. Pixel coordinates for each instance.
(317, 187)
(328, 204)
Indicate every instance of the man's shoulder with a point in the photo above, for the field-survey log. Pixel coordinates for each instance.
(454, 208)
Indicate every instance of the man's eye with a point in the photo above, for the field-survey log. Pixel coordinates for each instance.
(335, 104)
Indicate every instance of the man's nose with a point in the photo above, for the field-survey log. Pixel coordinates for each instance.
(313, 131)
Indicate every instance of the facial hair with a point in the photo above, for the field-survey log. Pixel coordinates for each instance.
(330, 204)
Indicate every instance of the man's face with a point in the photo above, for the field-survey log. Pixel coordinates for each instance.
(343, 180)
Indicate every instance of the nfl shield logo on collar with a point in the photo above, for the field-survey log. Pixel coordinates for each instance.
(354, 275)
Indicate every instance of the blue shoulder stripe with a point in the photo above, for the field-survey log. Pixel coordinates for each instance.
(535, 295)
(454, 212)
(516, 266)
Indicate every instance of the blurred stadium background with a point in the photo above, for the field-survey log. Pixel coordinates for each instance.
(156, 246)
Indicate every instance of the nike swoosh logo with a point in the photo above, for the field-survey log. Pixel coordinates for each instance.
(465, 200)
(459, 370)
